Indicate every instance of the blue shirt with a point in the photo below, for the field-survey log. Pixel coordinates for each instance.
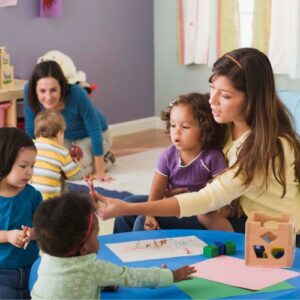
(14, 212)
(81, 117)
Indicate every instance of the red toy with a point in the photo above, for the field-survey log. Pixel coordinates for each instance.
(76, 153)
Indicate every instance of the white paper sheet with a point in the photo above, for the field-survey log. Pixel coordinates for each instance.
(157, 248)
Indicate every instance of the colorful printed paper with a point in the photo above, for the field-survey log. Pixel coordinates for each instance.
(233, 271)
(157, 248)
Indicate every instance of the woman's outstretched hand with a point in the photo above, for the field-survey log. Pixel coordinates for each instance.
(109, 207)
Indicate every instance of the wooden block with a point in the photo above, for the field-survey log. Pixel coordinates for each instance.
(222, 248)
(270, 240)
(230, 248)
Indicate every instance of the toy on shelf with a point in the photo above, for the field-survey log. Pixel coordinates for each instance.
(270, 241)
(219, 248)
(6, 70)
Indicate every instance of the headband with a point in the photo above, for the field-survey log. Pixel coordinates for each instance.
(87, 234)
(234, 61)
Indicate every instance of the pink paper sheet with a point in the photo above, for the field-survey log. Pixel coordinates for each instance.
(233, 271)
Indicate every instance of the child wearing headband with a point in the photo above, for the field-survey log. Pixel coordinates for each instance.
(67, 229)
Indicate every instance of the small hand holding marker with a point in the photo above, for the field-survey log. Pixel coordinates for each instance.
(89, 180)
(26, 231)
(182, 273)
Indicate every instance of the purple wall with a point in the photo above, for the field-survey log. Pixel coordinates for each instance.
(110, 40)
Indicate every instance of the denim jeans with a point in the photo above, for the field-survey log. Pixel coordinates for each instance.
(14, 283)
(136, 223)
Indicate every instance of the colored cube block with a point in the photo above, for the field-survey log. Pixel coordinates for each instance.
(222, 247)
(211, 251)
(230, 248)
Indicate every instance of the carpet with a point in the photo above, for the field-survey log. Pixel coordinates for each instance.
(131, 174)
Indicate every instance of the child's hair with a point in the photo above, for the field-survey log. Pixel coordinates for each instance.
(213, 135)
(62, 224)
(12, 140)
(48, 124)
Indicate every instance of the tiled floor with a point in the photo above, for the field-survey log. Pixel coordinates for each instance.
(138, 142)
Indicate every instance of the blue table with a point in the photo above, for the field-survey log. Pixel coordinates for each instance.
(173, 292)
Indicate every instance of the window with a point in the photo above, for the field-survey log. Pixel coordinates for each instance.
(246, 17)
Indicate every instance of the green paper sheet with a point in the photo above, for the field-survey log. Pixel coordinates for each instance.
(207, 289)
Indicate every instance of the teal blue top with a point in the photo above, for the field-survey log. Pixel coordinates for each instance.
(14, 212)
(81, 117)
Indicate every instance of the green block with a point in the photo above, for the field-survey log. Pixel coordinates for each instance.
(211, 251)
(230, 248)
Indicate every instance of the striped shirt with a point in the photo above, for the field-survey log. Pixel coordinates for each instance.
(53, 161)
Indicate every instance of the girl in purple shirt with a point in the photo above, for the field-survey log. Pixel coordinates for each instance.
(192, 160)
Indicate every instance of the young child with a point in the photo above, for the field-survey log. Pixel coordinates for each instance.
(53, 162)
(192, 160)
(66, 228)
(18, 202)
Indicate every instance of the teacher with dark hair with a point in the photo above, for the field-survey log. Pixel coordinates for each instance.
(86, 127)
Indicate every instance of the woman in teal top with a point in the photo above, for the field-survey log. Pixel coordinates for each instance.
(86, 126)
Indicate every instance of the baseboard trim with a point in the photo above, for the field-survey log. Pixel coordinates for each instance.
(136, 126)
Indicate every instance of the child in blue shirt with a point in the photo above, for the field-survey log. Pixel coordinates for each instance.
(18, 202)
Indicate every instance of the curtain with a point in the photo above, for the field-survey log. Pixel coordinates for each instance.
(261, 25)
(284, 44)
(206, 30)
(228, 26)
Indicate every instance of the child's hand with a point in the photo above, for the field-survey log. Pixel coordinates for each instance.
(29, 235)
(16, 238)
(151, 223)
(183, 273)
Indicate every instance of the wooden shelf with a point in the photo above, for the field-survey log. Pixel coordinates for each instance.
(12, 94)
